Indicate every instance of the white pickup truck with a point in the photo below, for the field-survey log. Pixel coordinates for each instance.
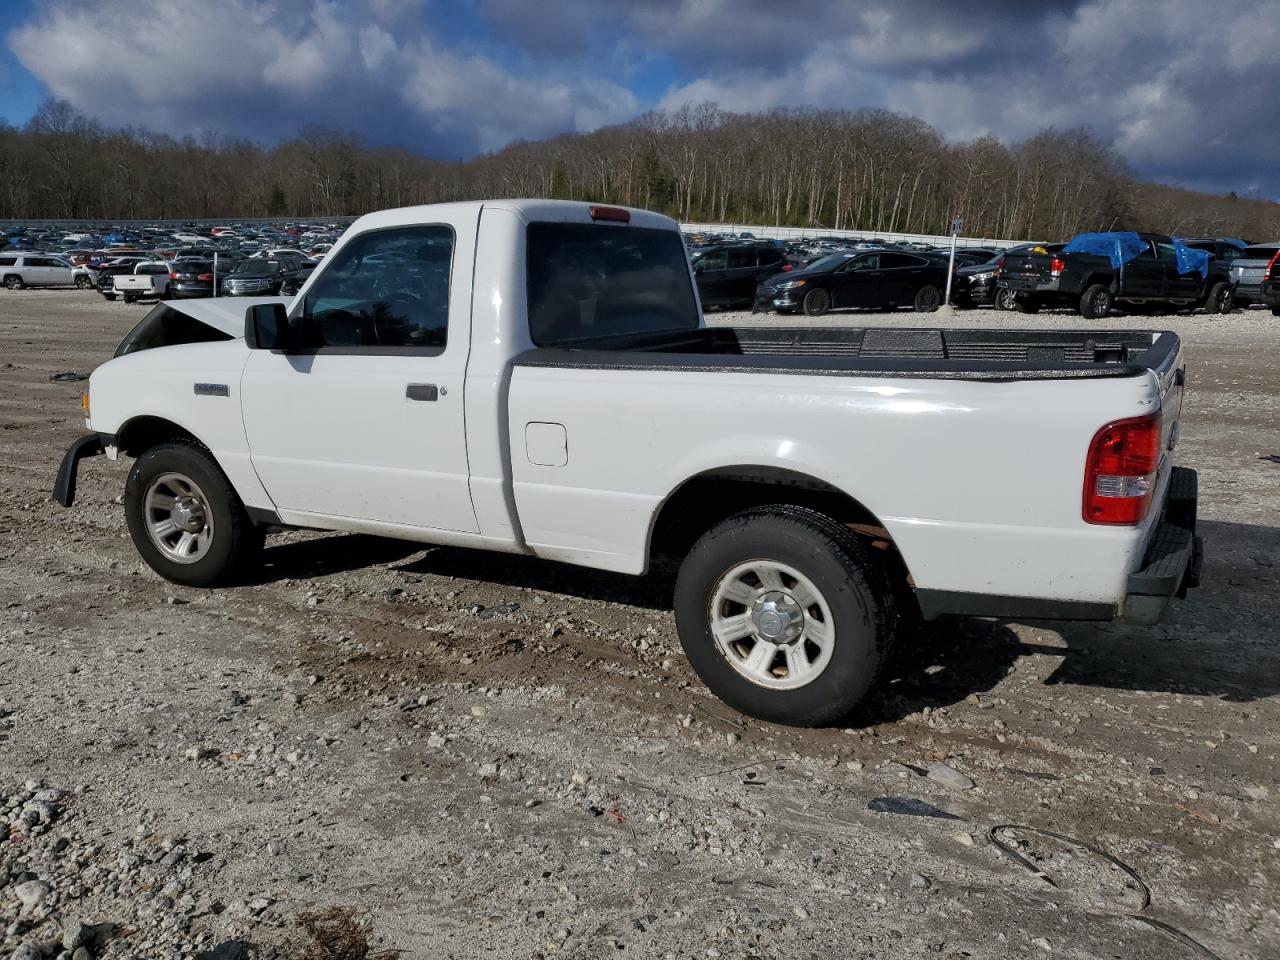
(148, 281)
(535, 377)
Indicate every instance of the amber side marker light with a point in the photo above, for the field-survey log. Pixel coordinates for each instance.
(84, 402)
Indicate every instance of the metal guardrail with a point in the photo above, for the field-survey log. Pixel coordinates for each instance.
(792, 233)
(759, 230)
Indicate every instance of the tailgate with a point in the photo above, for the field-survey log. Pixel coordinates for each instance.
(134, 282)
(1025, 269)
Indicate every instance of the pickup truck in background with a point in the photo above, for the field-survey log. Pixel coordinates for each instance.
(536, 377)
(147, 281)
(1094, 284)
(1271, 284)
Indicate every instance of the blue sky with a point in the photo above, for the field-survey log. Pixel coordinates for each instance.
(451, 78)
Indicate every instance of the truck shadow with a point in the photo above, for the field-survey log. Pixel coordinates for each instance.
(1221, 641)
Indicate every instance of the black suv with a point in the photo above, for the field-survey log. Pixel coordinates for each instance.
(729, 273)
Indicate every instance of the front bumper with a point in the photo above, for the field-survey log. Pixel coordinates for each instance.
(90, 445)
(1174, 557)
(767, 300)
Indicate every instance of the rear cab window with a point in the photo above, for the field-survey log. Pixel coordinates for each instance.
(595, 281)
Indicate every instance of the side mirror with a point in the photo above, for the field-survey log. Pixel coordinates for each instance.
(266, 327)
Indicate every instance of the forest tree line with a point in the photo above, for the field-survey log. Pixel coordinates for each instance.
(833, 169)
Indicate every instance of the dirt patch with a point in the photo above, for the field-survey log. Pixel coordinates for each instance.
(490, 756)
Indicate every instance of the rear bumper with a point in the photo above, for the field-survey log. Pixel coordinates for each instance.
(1169, 567)
(90, 445)
(1173, 560)
(1271, 293)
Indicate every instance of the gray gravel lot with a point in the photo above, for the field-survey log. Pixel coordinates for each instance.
(493, 757)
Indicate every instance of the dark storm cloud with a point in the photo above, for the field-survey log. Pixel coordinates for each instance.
(1182, 95)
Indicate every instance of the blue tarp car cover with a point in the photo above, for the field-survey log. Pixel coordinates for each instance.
(1191, 260)
(1119, 247)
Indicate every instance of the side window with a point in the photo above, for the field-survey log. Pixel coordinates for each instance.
(1149, 253)
(741, 258)
(8, 261)
(386, 288)
(768, 256)
(1228, 252)
(868, 261)
(899, 260)
(715, 259)
(1167, 252)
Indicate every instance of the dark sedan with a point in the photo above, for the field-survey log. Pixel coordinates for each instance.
(728, 274)
(191, 278)
(872, 279)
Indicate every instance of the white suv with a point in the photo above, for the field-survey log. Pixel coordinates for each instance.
(18, 270)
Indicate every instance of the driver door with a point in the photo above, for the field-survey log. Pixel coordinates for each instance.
(857, 282)
(365, 420)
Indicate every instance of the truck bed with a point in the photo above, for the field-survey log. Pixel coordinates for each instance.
(935, 353)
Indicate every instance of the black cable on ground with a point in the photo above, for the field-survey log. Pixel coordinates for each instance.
(1159, 925)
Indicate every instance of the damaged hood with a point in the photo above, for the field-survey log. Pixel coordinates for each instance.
(224, 314)
(176, 322)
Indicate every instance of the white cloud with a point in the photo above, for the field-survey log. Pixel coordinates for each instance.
(256, 68)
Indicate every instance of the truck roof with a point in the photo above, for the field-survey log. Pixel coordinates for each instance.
(530, 210)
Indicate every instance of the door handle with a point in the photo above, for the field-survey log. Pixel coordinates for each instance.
(421, 391)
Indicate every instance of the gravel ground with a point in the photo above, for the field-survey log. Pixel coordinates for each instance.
(492, 757)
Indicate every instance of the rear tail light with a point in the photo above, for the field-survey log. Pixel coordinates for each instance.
(1271, 264)
(786, 268)
(205, 276)
(1000, 266)
(174, 276)
(1120, 473)
(1056, 266)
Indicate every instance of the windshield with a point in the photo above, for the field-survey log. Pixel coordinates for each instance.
(256, 268)
(587, 281)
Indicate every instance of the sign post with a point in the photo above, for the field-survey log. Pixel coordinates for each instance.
(957, 224)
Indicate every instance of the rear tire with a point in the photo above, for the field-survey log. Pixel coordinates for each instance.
(14, 282)
(928, 299)
(224, 546)
(1220, 299)
(1095, 302)
(816, 302)
(828, 603)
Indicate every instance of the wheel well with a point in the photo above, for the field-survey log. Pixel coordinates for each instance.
(1105, 279)
(142, 433)
(703, 501)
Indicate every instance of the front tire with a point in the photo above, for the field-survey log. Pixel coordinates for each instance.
(1095, 302)
(83, 283)
(1005, 299)
(816, 302)
(928, 299)
(784, 615)
(14, 282)
(186, 519)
